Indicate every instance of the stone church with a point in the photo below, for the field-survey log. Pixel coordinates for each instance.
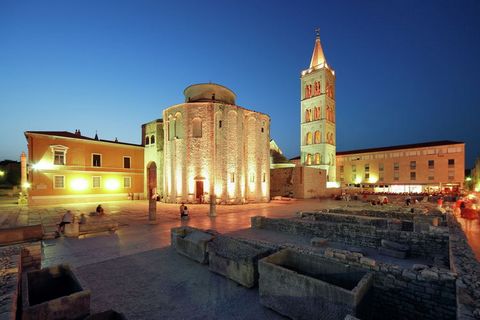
(208, 147)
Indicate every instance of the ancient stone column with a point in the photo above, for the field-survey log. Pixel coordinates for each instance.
(152, 210)
(213, 206)
(23, 166)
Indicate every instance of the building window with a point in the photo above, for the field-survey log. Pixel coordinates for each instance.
(367, 175)
(317, 158)
(317, 137)
(451, 163)
(127, 182)
(451, 174)
(354, 168)
(380, 167)
(152, 139)
(232, 177)
(413, 175)
(308, 138)
(381, 178)
(96, 160)
(341, 169)
(264, 177)
(58, 182)
(96, 182)
(396, 175)
(126, 162)
(431, 177)
(147, 140)
(309, 159)
(396, 166)
(354, 177)
(413, 165)
(59, 157)
(367, 167)
(252, 177)
(197, 128)
(431, 164)
(262, 130)
(219, 123)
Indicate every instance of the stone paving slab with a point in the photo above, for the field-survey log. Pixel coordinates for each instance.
(161, 284)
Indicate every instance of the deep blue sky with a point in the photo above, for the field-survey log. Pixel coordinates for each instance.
(407, 71)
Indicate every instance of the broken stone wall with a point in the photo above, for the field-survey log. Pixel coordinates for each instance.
(465, 264)
(432, 245)
(401, 293)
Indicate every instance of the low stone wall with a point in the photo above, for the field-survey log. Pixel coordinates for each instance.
(235, 259)
(432, 245)
(21, 234)
(390, 214)
(13, 260)
(465, 264)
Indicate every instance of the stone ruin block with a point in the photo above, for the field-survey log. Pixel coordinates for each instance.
(423, 223)
(235, 259)
(393, 249)
(191, 243)
(318, 242)
(303, 286)
(53, 293)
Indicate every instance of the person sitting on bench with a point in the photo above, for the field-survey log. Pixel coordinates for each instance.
(66, 219)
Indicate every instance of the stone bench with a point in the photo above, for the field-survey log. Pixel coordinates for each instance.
(98, 226)
(235, 259)
(191, 242)
(307, 286)
(21, 234)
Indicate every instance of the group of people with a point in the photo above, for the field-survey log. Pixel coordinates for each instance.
(68, 218)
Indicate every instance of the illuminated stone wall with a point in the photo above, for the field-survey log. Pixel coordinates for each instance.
(153, 152)
(229, 158)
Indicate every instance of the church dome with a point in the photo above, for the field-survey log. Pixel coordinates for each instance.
(204, 92)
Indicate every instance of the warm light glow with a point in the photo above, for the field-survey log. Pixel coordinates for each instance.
(372, 179)
(2, 173)
(333, 184)
(79, 184)
(112, 184)
(218, 189)
(42, 165)
(178, 181)
(26, 185)
(468, 179)
(358, 180)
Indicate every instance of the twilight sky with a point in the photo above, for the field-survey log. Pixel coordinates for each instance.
(407, 71)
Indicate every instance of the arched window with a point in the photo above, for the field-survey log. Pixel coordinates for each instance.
(171, 129)
(197, 128)
(178, 126)
(307, 115)
(317, 137)
(152, 139)
(317, 158)
(147, 140)
(308, 138)
(308, 159)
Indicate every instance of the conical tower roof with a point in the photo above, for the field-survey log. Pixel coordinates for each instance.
(318, 58)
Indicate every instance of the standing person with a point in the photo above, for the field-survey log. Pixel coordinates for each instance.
(182, 210)
(408, 200)
(66, 219)
(440, 202)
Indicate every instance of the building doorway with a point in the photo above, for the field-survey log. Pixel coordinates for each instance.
(199, 191)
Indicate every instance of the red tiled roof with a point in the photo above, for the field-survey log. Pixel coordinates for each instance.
(67, 134)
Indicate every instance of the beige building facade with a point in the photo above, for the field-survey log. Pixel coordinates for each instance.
(422, 167)
(213, 147)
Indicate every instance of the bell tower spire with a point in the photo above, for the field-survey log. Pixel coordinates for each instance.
(318, 57)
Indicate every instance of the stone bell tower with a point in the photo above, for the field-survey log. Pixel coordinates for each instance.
(317, 128)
